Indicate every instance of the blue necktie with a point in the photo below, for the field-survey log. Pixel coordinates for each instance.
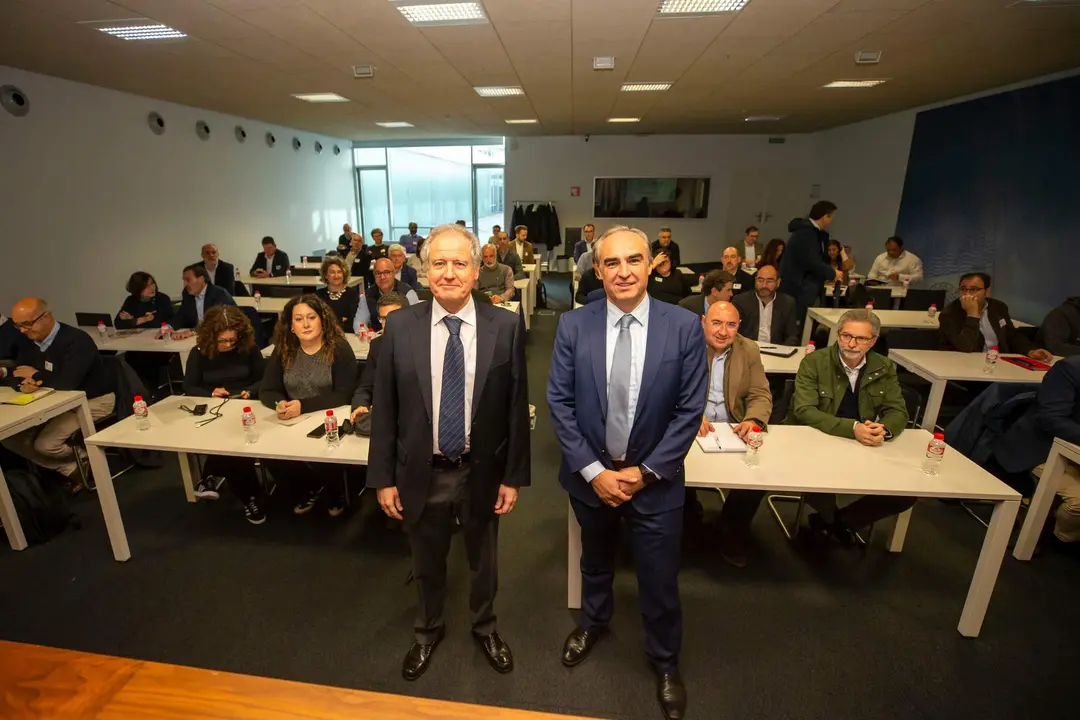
(452, 399)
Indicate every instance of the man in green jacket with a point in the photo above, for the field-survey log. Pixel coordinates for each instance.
(848, 391)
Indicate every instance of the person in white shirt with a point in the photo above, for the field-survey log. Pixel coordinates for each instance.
(896, 264)
(750, 248)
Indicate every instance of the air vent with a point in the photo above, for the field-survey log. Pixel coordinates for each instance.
(363, 71)
(868, 57)
(603, 62)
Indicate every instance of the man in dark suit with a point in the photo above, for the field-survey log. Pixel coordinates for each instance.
(219, 272)
(743, 281)
(974, 322)
(664, 244)
(778, 310)
(451, 445)
(402, 271)
(804, 266)
(271, 262)
(627, 393)
(716, 287)
(344, 239)
(198, 297)
(506, 255)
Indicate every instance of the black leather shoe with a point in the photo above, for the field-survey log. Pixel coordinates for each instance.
(672, 695)
(418, 658)
(497, 651)
(578, 645)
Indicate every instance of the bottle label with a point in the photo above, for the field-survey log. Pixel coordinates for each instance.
(933, 450)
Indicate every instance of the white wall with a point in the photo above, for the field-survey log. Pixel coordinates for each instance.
(545, 168)
(88, 194)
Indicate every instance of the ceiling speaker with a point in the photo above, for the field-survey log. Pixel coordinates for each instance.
(202, 130)
(14, 101)
(240, 133)
(156, 123)
(270, 139)
(296, 144)
(318, 148)
(337, 150)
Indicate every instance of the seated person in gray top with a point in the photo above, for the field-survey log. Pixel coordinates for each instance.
(495, 279)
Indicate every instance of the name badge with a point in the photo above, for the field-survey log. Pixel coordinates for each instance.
(736, 286)
(48, 366)
(1001, 322)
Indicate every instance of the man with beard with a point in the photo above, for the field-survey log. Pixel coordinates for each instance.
(744, 281)
(767, 316)
(495, 279)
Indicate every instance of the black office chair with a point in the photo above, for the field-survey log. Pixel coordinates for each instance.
(125, 383)
(882, 297)
(922, 299)
(913, 403)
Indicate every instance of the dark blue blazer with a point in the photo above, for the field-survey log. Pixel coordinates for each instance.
(1055, 414)
(188, 314)
(408, 276)
(669, 405)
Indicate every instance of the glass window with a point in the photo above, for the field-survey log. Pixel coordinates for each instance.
(490, 200)
(430, 185)
(374, 203)
(369, 156)
(489, 154)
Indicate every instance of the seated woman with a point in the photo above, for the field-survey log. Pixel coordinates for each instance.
(839, 258)
(665, 283)
(145, 308)
(342, 299)
(772, 253)
(312, 370)
(227, 364)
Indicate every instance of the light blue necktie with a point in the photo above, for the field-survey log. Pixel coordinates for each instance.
(618, 415)
(452, 399)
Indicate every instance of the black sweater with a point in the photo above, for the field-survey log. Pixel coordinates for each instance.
(235, 371)
(160, 305)
(365, 387)
(670, 289)
(344, 307)
(75, 361)
(343, 384)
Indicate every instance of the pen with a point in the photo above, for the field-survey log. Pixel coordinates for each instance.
(769, 347)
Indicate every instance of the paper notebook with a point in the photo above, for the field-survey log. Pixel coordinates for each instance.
(722, 440)
(25, 398)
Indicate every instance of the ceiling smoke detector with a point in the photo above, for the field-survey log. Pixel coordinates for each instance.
(363, 72)
(868, 57)
(603, 62)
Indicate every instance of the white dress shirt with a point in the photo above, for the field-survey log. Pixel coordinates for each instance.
(269, 262)
(439, 337)
(764, 328)
(519, 248)
(852, 374)
(715, 408)
(639, 336)
(749, 252)
(908, 267)
(212, 272)
(990, 338)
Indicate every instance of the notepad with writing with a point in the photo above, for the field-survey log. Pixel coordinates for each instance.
(722, 440)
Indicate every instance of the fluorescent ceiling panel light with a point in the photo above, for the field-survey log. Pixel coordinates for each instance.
(145, 31)
(762, 118)
(498, 91)
(523, 121)
(699, 7)
(623, 120)
(646, 87)
(321, 97)
(603, 62)
(395, 124)
(427, 14)
(854, 83)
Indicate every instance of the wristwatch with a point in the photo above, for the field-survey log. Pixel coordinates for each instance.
(647, 475)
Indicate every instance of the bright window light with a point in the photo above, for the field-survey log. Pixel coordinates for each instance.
(646, 87)
(395, 124)
(447, 13)
(321, 97)
(498, 91)
(854, 83)
(699, 7)
(523, 121)
(624, 120)
(143, 32)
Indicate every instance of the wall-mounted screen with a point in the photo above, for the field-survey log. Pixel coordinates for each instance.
(656, 197)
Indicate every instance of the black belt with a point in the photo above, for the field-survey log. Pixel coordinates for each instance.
(441, 462)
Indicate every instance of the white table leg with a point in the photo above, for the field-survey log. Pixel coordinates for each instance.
(933, 403)
(899, 532)
(189, 470)
(110, 509)
(986, 569)
(573, 560)
(1040, 505)
(12, 528)
(808, 326)
(183, 361)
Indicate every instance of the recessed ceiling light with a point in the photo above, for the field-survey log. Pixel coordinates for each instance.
(623, 120)
(426, 13)
(321, 97)
(646, 87)
(603, 62)
(762, 118)
(395, 124)
(699, 7)
(854, 83)
(145, 31)
(523, 121)
(499, 91)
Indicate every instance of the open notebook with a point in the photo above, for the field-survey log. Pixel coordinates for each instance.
(18, 398)
(723, 440)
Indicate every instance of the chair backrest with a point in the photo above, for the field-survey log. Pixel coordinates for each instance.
(913, 402)
(783, 403)
(913, 339)
(306, 272)
(91, 319)
(922, 299)
(882, 297)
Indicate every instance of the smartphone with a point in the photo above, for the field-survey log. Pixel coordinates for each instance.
(199, 410)
(317, 432)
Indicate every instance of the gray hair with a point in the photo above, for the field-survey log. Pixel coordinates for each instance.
(598, 246)
(474, 243)
(861, 315)
(396, 246)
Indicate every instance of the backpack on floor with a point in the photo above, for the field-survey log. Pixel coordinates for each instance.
(40, 504)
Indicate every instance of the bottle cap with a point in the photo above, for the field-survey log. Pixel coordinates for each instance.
(138, 398)
(247, 409)
(993, 347)
(810, 343)
(939, 436)
(329, 413)
(100, 322)
(757, 429)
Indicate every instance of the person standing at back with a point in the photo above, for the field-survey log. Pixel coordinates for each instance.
(804, 265)
(410, 240)
(627, 390)
(750, 249)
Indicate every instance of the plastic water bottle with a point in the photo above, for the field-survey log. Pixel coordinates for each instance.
(166, 333)
(333, 439)
(142, 413)
(365, 339)
(990, 363)
(810, 347)
(288, 276)
(905, 282)
(931, 312)
(258, 299)
(870, 305)
(102, 331)
(935, 454)
(303, 259)
(251, 433)
(754, 441)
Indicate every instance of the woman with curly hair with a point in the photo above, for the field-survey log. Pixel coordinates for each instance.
(772, 253)
(341, 298)
(227, 364)
(313, 369)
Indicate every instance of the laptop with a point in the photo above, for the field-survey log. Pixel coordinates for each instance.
(91, 320)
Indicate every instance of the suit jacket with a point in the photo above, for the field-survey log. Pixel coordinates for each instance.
(746, 389)
(225, 275)
(785, 330)
(527, 256)
(694, 303)
(804, 268)
(409, 277)
(281, 263)
(669, 405)
(365, 387)
(962, 333)
(1061, 328)
(1055, 413)
(188, 314)
(512, 261)
(744, 282)
(402, 438)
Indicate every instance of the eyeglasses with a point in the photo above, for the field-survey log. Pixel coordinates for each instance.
(848, 338)
(31, 323)
(383, 273)
(971, 289)
(766, 281)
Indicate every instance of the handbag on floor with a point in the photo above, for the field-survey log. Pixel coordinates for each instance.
(40, 503)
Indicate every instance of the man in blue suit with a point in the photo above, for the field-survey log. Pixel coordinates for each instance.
(626, 393)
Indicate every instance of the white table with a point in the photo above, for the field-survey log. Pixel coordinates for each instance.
(143, 341)
(522, 286)
(16, 418)
(892, 469)
(1053, 471)
(940, 366)
(266, 306)
(173, 430)
(301, 282)
(917, 319)
(782, 365)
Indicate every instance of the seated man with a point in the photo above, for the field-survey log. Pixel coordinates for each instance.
(377, 248)
(768, 316)
(60, 357)
(665, 283)
(664, 244)
(850, 392)
(495, 279)
(589, 284)
(716, 287)
(975, 322)
(218, 271)
(198, 297)
(411, 240)
(365, 388)
(358, 258)
(507, 256)
(385, 283)
(896, 264)
(1061, 329)
(271, 262)
(738, 394)
(344, 239)
(586, 242)
(744, 281)
(403, 272)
